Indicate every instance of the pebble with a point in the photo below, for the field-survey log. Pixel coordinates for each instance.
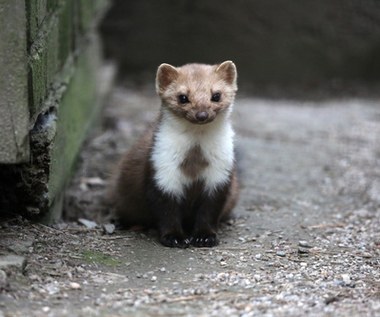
(304, 244)
(154, 278)
(52, 288)
(3, 279)
(89, 224)
(346, 279)
(366, 255)
(303, 250)
(109, 228)
(74, 285)
(11, 260)
(281, 253)
(46, 309)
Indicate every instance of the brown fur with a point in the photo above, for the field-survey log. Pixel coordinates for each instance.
(128, 193)
(194, 162)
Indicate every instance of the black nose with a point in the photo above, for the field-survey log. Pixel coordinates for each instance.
(201, 115)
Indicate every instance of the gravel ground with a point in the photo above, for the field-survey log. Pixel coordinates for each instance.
(305, 239)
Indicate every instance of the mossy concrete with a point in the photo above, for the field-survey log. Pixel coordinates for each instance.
(51, 89)
(14, 112)
(75, 115)
(48, 52)
(62, 128)
(72, 106)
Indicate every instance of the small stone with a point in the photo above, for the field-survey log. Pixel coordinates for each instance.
(258, 256)
(93, 181)
(21, 246)
(230, 222)
(366, 255)
(109, 228)
(154, 278)
(52, 288)
(88, 223)
(304, 244)
(219, 258)
(346, 279)
(45, 309)
(162, 269)
(3, 280)
(303, 250)
(281, 253)
(74, 285)
(11, 260)
(331, 299)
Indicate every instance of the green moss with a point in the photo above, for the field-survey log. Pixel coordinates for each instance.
(36, 13)
(66, 34)
(78, 107)
(95, 257)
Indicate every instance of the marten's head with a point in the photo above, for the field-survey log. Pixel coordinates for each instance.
(197, 92)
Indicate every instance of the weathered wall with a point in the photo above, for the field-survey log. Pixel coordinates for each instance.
(14, 112)
(274, 41)
(67, 81)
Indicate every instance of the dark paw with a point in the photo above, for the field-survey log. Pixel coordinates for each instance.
(205, 240)
(174, 241)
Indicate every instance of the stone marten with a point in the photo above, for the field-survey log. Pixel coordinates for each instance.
(180, 176)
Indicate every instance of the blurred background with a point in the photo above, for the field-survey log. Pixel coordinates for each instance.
(62, 60)
(274, 43)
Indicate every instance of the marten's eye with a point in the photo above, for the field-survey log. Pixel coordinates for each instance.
(215, 97)
(183, 99)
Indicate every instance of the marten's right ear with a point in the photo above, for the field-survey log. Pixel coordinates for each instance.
(166, 74)
(227, 70)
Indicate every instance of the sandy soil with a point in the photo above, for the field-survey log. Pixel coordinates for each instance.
(305, 239)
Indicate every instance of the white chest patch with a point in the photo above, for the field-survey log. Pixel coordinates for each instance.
(173, 141)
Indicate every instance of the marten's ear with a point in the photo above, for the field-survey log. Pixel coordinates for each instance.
(227, 70)
(166, 74)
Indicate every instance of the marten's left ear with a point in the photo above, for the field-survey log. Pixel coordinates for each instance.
(227, 70)
(166, 74)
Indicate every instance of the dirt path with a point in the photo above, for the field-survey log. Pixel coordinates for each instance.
(305, 240)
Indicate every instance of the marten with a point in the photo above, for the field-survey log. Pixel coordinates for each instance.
(180, 176)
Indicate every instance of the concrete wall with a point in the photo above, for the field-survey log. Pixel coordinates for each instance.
(66, 82)
(277, 41)
(14, 111)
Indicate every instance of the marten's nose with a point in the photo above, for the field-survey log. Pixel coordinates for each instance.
(201, 115)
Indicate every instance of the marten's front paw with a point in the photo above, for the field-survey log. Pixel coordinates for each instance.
(205, 240)
(174, 241)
